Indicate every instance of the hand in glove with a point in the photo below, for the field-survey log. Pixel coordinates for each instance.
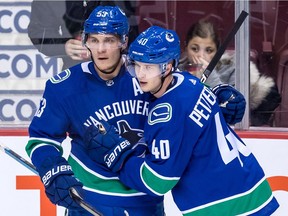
(231, 101)
(106, 147)
(57, 177)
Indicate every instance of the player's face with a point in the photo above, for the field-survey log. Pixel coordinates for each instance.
(149, 76)
(106, 50)
(198, 48)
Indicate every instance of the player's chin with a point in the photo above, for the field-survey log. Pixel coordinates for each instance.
(145, 87)
(105, 67)
(104, 62)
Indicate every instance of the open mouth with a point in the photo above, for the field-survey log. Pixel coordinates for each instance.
(143, 82)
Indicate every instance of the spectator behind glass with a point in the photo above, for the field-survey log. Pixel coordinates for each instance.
(55, 27)
(202, 42)
(201, 45)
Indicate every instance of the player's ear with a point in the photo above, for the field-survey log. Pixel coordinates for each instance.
(168, 68)
(125, 44)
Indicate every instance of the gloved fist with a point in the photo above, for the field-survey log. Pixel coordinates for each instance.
(57, 177)
(98, 145)
(231, 101)
(105, 146)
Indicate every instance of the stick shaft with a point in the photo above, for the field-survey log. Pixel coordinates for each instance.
(20, 159)
(223, 46)
(73, 193)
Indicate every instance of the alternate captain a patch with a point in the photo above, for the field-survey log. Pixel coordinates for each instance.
(160, 113)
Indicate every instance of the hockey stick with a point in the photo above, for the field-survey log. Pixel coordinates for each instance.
(18, 158)
(73, 193)
(223, 46)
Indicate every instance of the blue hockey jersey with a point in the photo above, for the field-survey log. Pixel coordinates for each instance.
(77, 98)
(194, 153)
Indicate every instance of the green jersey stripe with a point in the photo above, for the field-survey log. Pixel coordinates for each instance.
(99, 183)
(245, 203)
(156, 183)
(34, 143)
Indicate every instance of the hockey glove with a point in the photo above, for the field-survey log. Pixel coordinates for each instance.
(57, 177)
(108, 148)
(231, 101)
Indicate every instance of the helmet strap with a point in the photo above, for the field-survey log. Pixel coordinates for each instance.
(163, 77)
(162, 81)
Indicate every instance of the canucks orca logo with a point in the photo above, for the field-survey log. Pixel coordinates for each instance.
(131, 134)
(60, 77)
(160, 113)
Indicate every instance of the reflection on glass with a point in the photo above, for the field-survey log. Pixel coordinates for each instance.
(35, 47)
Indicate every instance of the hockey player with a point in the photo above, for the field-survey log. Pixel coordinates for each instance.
(192, 150)
(100, 89)
(80, 96)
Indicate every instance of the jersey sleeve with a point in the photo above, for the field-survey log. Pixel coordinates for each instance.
(169, 153)
(49, 125)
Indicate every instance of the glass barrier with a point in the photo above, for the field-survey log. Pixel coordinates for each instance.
(35, 38)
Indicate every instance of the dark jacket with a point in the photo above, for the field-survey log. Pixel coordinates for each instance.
(53, 23)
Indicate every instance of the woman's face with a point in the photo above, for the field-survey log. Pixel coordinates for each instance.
(200, 48)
